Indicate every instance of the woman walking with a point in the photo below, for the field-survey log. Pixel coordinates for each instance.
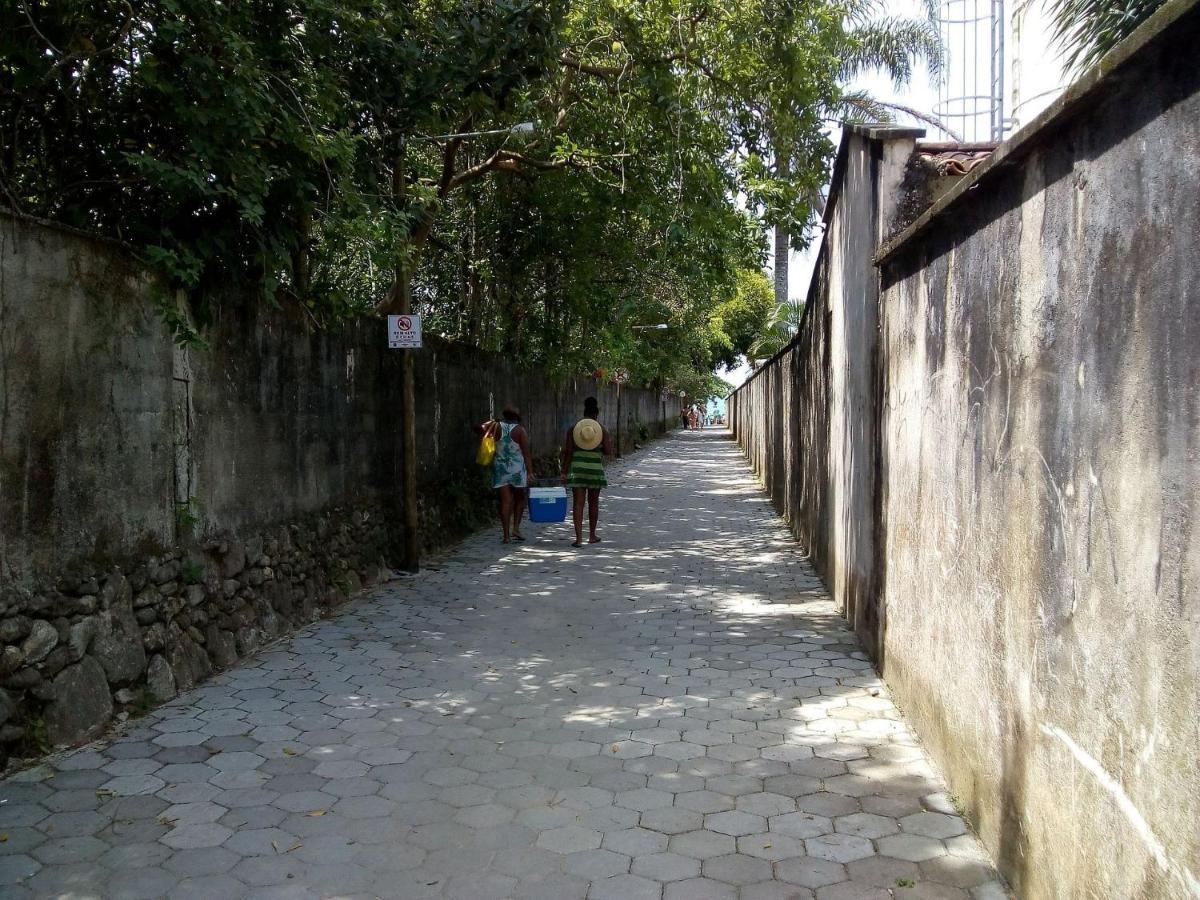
(584, 450)
(510, 469)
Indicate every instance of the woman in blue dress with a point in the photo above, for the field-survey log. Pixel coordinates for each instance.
(510, 469)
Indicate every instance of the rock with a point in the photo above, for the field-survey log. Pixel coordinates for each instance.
(222, 647)
(118, 643)
(58, 660)
(155, 637)
(43, 691)
(230, 587)
(87, 586)
(80, 640)
(165, 573)
(10, 733)
(160, 680)
(254, 548)
(194, 595)
(10, 660)
(124, 696)
(24, 679)
(189, 663)
(80, 705)
(148, 597)
(42, 605)
(146, 615)
(8, 707)
(248, 640)
(43, 638)
(86, 605)
(233, 561)
(14, 629)
(169, 589)
(117, 590)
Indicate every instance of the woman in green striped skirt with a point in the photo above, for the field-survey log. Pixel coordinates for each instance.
(583, 468)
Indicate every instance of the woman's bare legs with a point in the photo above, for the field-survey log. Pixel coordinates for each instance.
(593, 497)
(578, 495)
(520, 498)
(506, 505)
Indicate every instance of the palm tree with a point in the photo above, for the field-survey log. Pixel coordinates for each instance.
(1088, 29)
(780, 329)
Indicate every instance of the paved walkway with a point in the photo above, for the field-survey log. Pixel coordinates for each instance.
(675, 713)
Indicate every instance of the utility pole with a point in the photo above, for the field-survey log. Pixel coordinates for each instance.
(408, 390)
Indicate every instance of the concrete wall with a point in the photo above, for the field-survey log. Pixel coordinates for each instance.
(164, 510)
(1041, 434)
(809, 418)
(1036, 480)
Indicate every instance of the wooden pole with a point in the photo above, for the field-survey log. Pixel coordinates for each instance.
(618, 418)
(408, 397)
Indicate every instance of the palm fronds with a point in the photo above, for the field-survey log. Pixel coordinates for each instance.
(891, 45)
(1088, 29)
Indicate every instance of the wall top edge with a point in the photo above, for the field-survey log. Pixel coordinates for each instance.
(871, 131)
(1081, 94)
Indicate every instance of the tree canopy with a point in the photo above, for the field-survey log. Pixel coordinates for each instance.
(297, 150)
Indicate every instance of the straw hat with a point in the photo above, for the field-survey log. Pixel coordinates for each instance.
(588, 434)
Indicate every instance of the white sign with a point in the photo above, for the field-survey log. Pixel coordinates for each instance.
(404, 332)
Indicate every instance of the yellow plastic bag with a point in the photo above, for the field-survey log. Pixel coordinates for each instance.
(487, 449)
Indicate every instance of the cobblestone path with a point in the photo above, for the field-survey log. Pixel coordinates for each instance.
(674, 713)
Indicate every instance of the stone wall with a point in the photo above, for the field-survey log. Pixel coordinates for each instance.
(166, 510)
(1036, 478)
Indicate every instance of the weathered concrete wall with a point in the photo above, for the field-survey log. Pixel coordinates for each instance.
(1030, 459)
(1043, 419)
(165, 510)
(809, 418)
(64, 316)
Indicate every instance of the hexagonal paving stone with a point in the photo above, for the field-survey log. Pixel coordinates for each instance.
(625, 887)
(810, 872)
(736, 868)
(644, 799)
(702, 844)
(569, 839)
(595, 864)
(699, 889)
(770, 846)
(671, 820)
(704, 801)
(840, 848)
(735, 823)
(190, 837)
(666, 866)
(866, 825)
(934, 825)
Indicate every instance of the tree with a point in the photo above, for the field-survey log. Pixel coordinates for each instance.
(290, 154)
(1088, 29)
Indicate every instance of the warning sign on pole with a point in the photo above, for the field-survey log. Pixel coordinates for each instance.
(404, 332)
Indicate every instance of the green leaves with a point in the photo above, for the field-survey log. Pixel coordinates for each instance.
(1088, 29)
(252, 151)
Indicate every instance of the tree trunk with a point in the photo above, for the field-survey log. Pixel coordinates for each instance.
(782, 248)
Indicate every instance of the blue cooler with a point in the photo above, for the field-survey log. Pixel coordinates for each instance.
(547, 504)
